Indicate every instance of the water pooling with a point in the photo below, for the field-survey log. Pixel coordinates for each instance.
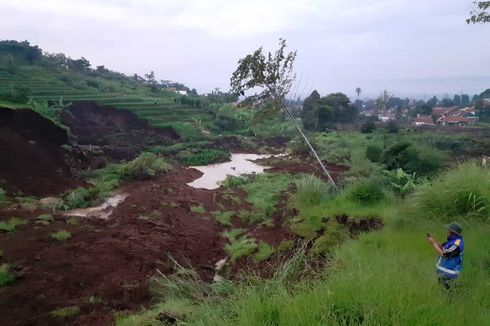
(214, 174)
(103, 211)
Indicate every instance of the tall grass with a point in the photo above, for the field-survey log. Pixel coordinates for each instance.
(462, 192)
(311, 190)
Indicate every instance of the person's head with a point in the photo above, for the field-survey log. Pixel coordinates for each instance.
(454, 228)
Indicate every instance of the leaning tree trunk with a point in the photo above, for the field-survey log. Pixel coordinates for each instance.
(298, 128)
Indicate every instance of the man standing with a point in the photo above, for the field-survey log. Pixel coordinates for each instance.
(450, 254)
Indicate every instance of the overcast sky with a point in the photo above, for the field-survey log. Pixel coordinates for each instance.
(408, 47)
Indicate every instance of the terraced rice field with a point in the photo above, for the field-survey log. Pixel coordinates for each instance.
(167, 110)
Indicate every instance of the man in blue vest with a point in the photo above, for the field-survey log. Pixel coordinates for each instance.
(450, 261)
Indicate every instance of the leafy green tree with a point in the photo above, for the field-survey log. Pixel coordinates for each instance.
(480, 12)
(309, 114)
(270, 77)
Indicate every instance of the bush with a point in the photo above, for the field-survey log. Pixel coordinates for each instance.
(373, 153)
(413, 159)
(311, 190)
(368, 191)
(463, 192)
(264, 251)
(368, 127)
(145, 166)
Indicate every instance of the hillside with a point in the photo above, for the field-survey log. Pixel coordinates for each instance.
(45, 79)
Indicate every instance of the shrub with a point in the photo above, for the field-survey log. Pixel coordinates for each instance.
(311, 190)
(145, 166)
(61, 235)
(418, 159)
(368, 127)
(373, 153)
(5, 276)
(462, 192)
(12, 224)
(368, 191)
(82, 198)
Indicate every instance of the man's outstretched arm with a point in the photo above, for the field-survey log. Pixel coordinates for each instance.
(436, 245)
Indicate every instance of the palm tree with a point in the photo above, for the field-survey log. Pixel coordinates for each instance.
(358, 91)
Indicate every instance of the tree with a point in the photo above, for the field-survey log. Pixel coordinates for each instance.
(479, 14)
(151, 78)
(358, 91)
(457, 100)
(309, 114)
(271, 77)
(382, 100)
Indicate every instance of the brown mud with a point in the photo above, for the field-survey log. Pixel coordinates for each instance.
(31, 157)
(119, 134)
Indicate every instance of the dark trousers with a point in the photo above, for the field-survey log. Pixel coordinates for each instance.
(446, 282)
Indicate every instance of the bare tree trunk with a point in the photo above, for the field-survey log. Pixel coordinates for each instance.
(298, 128)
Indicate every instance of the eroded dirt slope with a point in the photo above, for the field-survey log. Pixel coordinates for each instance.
(31, 157)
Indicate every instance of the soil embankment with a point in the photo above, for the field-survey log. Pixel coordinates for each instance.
(119, 134)
(32, 161)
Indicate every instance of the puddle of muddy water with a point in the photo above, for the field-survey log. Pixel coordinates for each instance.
(103, 211)
(214, 174)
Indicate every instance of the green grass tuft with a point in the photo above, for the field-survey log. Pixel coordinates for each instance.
(198, 209)
(5, 276)
(11, 224)
(223, 218)
(264, 251)
(66, 312)
(61, 235)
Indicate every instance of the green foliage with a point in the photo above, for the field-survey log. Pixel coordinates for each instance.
(61, 235)
(6, 277)
(419, 159)
(145, 166)
(66, 312)
(85, 197)
(311, 190)
(223, 218)
(264, 251)
(45, 219)
(479, 13)
(205, 157)
(263, 191)
(3, 196)
(462, 192)
(334, 235)
(401, 183)
(240, 247)
(11, 224)
(368, 127)
(366, 192)
(373, 153)
(198, 209)
(17, 94)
